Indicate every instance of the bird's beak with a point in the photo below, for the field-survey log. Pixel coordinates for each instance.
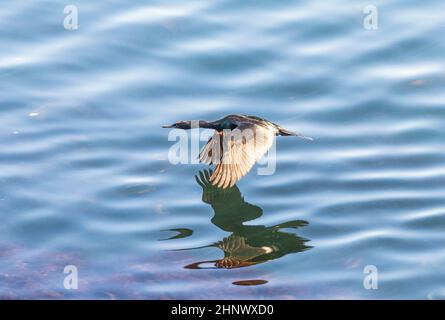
(304, 137)
(167, 126)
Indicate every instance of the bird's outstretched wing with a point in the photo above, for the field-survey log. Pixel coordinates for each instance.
(211, 153)
(235, 152)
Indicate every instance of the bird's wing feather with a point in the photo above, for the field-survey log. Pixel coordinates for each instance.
(238, 154)
(211, 153)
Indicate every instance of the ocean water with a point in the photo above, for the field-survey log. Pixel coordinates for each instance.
(85, 179)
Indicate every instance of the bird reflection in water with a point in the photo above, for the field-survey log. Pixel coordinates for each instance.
(247, 245)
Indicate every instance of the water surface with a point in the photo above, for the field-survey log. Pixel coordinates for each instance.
(85, 179)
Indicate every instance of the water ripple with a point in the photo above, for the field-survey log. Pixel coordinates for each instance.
(85, 178)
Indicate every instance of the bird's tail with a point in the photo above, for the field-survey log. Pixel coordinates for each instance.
(285, 132)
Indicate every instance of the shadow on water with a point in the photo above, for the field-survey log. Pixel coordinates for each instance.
(247, 245)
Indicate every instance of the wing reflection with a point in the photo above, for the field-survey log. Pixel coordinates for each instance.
(247, 244)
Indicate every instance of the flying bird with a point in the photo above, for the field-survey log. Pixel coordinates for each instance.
(239, 142)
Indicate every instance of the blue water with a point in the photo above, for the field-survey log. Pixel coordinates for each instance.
(85, 179)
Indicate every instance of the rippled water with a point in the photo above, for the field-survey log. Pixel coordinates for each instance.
(85, 179)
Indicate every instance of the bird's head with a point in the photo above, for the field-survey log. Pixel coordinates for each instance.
(180, 125)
